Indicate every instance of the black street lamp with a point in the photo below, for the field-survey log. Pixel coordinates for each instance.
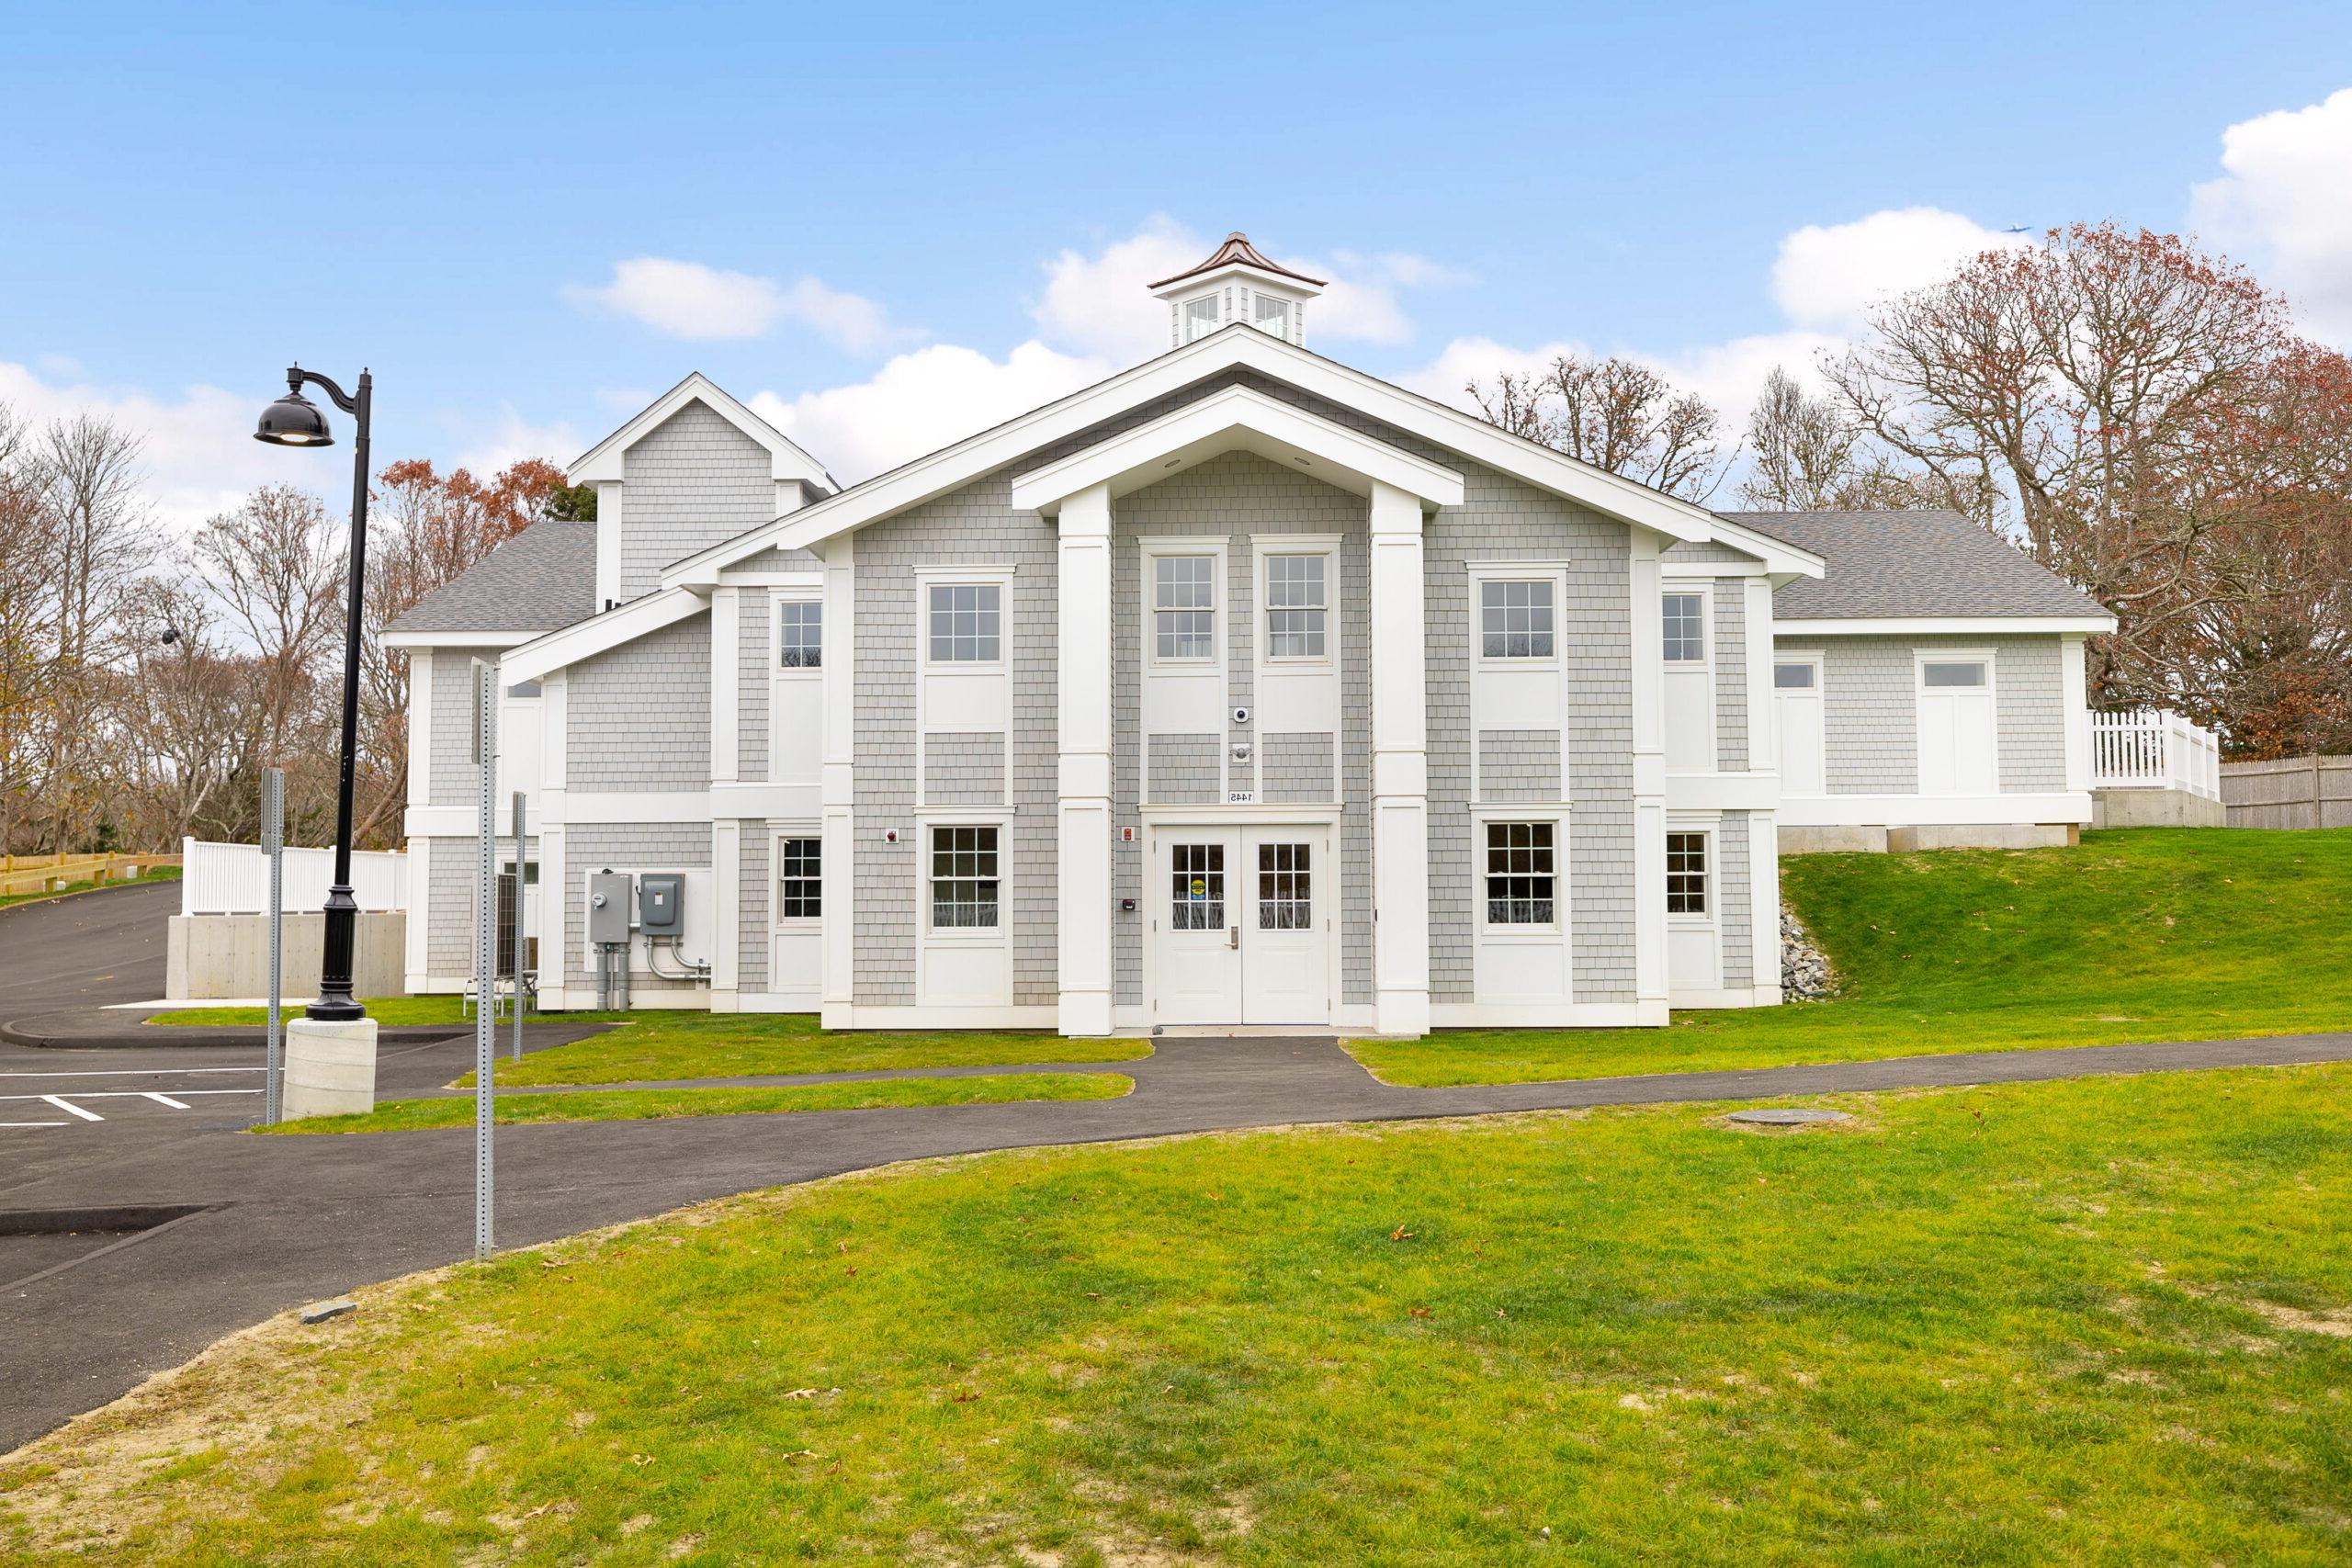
(294, 421)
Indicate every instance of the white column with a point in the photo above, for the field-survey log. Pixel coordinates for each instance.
(608, 543)
(837, 789)
(1084, 916)
(1649, 785)
(1400, 768)
(726, 683)
(554, 705)
(1763, 716)
(1764, 893)
(418, 920)
(2074, 682)
(726, 925)
(726, 766)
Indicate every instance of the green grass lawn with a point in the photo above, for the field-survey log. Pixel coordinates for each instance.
(2102, 1320)
(390, 1012)
(2139, 934)
(159, 873)
(652, 1104)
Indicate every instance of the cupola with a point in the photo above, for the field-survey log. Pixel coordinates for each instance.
(1237, 284)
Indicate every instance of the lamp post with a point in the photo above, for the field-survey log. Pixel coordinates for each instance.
(295, 420)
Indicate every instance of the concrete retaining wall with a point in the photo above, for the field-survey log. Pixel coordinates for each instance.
(2293, 791)
(2155, 808)
(212, 956)
(1821, 840)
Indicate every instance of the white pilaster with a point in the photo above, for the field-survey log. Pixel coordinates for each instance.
(1763, 716)
(727, 872)
(1649, 785)
(725, 679)
(2074, 682)
(1083, 678)
(1764, 894)
(555, 707)
(419, 916)
(837, 789)
(608, 543)
(1400, 788)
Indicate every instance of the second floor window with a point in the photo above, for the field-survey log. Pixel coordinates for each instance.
(1295, 606)
(803, 636)
(963, 878)
(800, 879)
(1184, 606)
(1515, 620)
(1686, 874)
(1520, 873)
(1685, 627)
(966, 623)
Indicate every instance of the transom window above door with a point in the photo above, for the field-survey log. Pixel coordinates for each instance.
(1184, 602)
(1515, 618)
(1793, 677)
(1951, 673)
(1685, 627)
(966, 623)
(1295, 605)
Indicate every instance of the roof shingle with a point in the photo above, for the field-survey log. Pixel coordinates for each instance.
(542, 578)
(1911, 564)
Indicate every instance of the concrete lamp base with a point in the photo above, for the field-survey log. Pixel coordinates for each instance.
(330, 1069)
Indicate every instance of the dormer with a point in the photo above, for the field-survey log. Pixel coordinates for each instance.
(1237, 284)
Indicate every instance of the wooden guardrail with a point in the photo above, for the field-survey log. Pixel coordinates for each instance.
(47, 873)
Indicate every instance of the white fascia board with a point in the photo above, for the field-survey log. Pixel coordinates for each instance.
(599, 633)
(601, 462)
(1235, 417)
(1944, 626)
(1236, 346)
(1784, 561)
(458, 640)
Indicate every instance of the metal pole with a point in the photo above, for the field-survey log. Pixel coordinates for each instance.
(520, 885)
(273, 841)
(341, 936)
(485, 945)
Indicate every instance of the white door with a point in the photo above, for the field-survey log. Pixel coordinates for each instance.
(797, 920)
(1796, 704)
(1956, 725)
(1241, 925)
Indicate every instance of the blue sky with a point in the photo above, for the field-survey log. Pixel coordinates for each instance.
(935, 216)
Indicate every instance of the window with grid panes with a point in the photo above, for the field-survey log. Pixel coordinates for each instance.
(801, 639)
(1295, 606)
(966, 623)
(1285, 892)
(964, 887)
(1686, 874)
(1515, 619)
(800, 879)
(1184, 606)
(1196, 887)
(1521, 872)
(1685, 627)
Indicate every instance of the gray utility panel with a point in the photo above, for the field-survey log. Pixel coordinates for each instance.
(662, 904)
(610, 895)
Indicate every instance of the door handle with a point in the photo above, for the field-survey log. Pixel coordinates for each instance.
(1233, 937)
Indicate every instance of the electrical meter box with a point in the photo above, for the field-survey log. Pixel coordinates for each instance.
(662, 904)
(610, 895)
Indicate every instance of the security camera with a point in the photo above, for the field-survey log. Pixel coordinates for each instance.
(1240, 716)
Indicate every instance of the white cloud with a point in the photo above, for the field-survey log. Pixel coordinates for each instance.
(705, 304)
(2286, 204)
(510, 438)
(921, 402)
(1826, 278)
(197, 448)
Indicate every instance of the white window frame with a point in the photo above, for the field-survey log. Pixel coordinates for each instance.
(1263, 547)
(1259, 299)
(1712, 872)
(1553, 573)
(997, 577)
(1923, 657)
(1219, 592)
(777, 920)
(1705, 593)
(997, 935)
(1216, 302)
(824, 632)
(1486, 817)
(1809, 660)
(1151, 548)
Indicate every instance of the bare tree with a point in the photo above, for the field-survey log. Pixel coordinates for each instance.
(1802, 448)
(1615, 415)
(29, 602)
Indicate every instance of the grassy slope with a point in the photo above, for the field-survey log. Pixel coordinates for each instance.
(2082, 1322)
(646, 1104)
(2143, 934)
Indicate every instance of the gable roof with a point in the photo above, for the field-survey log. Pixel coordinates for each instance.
(787, 460)
(1236, 347)
(1915, 565)
(543, 578)
(1237, 251)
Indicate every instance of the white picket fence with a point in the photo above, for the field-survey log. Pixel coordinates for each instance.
(2149, 749)
(233, 879)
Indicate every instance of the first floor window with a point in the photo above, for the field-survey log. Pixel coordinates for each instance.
(1952, 672)
(1184, 606)
(1686, 874)
(1793, 677)
(1521, 869)
(1685, 627)
(800, 879)
(966, 623)
(1295, 606)
(803, 638)
(1286, 888)
(1515, 620)
(964, 887)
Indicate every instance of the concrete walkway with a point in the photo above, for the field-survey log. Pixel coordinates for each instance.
(293, 1219)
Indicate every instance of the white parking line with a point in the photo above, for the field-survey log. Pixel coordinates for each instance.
(125, 1072)
(124, 1094)
(167, 1100)
(68, 1105)
(36, 1124)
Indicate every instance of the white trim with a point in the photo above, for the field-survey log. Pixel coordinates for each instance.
(1923, 657)
(610, 506)
(1727, 996)
(2074, 687)
(1151, 548)
(1650, 979)
(1555, 815)
(727, 910)
(1723, 791)
(1481, 572)
(1029, 1016)
(1942, 625)
(726, 686)
(773, 578)
(836, 781)
(420, 732)
(1764, 905)
(419, 914)
(1549, 1015)
(574, 808)
(954, 466)
(1398, 616)
(458, 640)
(603, 462)
(1933, 810)
(1083, 959)
(1703, 667)
(1756, 625)
(927, 577)
(598, 633)
(1235, 417)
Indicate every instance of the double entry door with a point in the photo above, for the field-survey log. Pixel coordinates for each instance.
(1241, 922)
